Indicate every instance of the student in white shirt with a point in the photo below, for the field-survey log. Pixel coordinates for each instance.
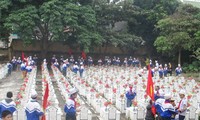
(182, 106)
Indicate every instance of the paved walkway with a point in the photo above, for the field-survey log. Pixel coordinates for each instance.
(11, 83)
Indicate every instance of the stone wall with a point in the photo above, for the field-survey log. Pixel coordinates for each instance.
(59, 48)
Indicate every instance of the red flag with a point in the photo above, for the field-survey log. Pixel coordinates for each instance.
(45, 100)
(150, 89)
(83, 55)
(23, 56)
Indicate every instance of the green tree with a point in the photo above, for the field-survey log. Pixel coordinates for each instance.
(149, 13)
(55, 20)
(108, 14)
(196, 44)
(177, 32)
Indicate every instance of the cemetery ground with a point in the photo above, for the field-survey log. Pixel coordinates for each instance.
(14, 82)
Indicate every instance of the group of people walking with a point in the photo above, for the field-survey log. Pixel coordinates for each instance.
(22, 64)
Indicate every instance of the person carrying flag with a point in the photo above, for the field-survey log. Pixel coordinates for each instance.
(150, 89)
(149, 113)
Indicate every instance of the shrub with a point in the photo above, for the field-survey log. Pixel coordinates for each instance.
(194, 67)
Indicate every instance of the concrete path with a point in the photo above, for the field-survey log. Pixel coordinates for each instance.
(11, 83)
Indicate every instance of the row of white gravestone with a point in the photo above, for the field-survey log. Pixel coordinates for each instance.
(119, 101)
(95, 83)
(4, 71)
(169, 86)
(61, 85)
(166, 82)
(29, 84)
(52, 112)
(85, 113)
(53, 108)
(98, 103)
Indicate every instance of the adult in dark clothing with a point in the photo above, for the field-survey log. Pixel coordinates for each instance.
(149, 114)
(169, 69)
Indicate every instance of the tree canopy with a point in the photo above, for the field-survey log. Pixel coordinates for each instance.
(55, 20)
(170, 26)
(179, 31)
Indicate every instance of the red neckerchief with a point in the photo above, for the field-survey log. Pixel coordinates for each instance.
(131, 89)
(157, 92)
(74, 102)
(179, 104)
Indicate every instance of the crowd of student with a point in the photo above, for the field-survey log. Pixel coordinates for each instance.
(164, 104)
(77, 65)
(22, 64)
(164, 70)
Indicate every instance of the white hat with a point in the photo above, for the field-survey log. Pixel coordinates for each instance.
(182, 92)
(72, 91)
(34, 94)
(167, 96)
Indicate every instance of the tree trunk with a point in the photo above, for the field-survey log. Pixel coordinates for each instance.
(44, 48)
(179, 56)
(10, 53)
(106, 47)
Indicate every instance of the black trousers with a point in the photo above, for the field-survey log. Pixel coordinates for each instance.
(71, 117)
(181, 117)
(165, 118)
